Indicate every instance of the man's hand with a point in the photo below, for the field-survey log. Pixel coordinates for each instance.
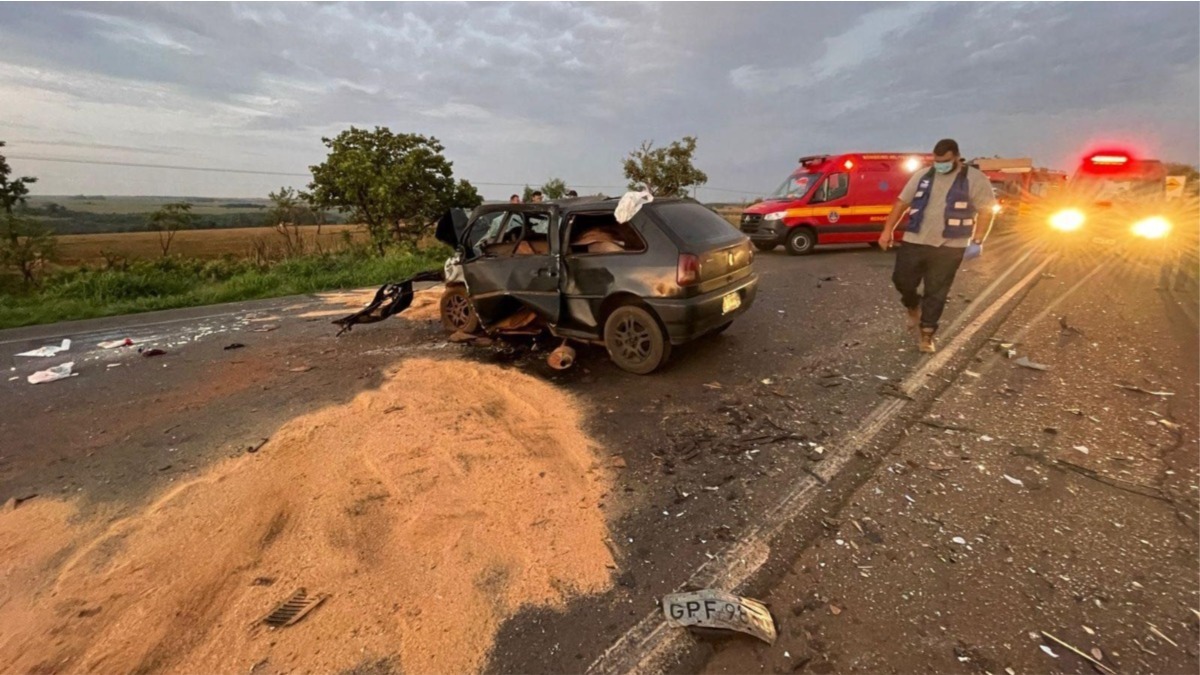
(886, 239)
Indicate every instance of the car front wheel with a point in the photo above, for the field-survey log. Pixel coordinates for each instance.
(457, 312)
(801, 241)
(635, 340)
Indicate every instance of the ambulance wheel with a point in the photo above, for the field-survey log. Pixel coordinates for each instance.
(765, 245)
(801, 241)
(457, 312)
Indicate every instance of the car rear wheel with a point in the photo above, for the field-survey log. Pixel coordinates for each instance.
(765, 245)
(457, 312)
(635, 340)
(801, 241)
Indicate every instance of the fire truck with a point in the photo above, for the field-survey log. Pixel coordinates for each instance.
(1019, 185)
(831, 199)
(1114, 195)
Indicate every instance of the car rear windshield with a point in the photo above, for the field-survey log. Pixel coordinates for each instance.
(696, 225)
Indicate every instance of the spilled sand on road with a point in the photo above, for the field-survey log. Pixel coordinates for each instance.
(430, 510)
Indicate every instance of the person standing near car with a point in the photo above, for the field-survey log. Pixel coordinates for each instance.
(950, 210)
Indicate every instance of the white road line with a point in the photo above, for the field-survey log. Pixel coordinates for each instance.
(651, 646)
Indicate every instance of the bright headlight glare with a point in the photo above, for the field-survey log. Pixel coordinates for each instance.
(1067, 220)
(778, 215)
(912, 164)
(996, 208)
(1156, 227)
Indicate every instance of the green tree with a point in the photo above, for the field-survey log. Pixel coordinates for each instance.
(527, 194)
(168, 221)
(25, 244)
(666, 172)
(397, 184)
(554, 188)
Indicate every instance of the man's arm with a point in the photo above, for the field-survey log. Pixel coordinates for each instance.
(887, 237)
(984, 200)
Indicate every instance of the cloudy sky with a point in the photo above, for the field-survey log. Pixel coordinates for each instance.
(520, 93)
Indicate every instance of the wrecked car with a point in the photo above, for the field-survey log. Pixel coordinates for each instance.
(674, 272)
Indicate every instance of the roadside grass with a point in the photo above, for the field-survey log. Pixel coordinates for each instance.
(169, 283)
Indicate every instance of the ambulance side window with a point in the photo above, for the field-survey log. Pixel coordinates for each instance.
(835, 186)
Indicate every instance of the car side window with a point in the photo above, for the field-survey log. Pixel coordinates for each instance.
(835, 186)
(592, 234)
(483, 231)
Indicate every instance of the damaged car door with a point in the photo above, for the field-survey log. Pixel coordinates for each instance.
(511, 262)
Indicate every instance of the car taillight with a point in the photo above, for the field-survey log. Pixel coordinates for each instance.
(688, 270)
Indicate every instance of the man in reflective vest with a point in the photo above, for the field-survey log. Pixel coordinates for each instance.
(950, 211)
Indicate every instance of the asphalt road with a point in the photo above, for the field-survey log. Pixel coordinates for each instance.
(709, 445)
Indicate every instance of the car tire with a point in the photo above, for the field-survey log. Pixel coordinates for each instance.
(458, 314)
(635, 340)
(800, 241)
(765, 245)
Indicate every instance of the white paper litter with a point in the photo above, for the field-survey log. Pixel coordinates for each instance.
(630, 204)
(51, 374)
(48, 351)
(1048, 651)
(1014, 481)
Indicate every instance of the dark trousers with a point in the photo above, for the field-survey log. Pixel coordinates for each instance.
(933, 265)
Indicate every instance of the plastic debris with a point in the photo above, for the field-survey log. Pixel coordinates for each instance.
(712, 608)
(112, 344)
(960, 541)
(1081, 448)
(61, 372)
(48, 350)
(1083, 655)
(1048, 651)
(1014, 481)
(562, 357)
(1024, 362)
(986, 439)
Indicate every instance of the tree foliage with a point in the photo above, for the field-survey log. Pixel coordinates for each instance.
(168, 221)
(667, 171)
(25, 244)
(397, 184)
(555, 188)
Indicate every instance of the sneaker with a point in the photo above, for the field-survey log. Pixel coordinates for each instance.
(914, 317)
(927, 343)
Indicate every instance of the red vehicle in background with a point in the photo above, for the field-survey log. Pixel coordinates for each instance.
(1019, 185)
(1113, 195)
(832, 199)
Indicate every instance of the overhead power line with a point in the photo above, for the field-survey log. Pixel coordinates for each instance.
(177, 167)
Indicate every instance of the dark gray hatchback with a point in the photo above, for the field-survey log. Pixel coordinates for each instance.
(675, 272)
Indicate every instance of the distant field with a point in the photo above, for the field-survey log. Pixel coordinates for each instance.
(210, 206)
(76, 249)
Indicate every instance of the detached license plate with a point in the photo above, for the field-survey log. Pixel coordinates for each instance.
(730, 302)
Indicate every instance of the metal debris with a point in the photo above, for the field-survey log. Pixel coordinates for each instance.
(293, 609)
(1024, 362)
(1083, 655)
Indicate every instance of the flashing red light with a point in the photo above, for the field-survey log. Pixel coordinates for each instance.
(849, 165)
(1109, 160)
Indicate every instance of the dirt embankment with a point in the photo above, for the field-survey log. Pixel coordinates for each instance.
(429, 510)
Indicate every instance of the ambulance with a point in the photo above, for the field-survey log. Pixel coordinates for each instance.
(832, 199)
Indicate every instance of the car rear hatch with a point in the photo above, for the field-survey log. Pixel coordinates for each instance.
(724, 255)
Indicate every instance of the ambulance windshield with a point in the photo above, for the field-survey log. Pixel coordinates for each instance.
(796, 186)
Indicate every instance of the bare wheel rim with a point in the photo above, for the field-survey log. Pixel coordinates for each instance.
(633, 340)
(458, 310)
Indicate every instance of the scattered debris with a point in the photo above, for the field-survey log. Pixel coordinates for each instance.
(293, 609)
(986, 439)
(1014, 481)
(937, 424)
(1024, 362)
(257, 446)
(267, 328)
(1169, 425)
(61, 372)
(300, 369)
(234, 345)
(1158, 633)
(768, 381)
(618, 462)
(972, 373)
(1081, 448)
(1066, 327)
(1129, 387)
(112, 344)
(960, 541)
(152, 352)
(562, 357)
(1087, 657)
(711, 608)
(711, 385)
(459, 337)
(14, 502)
(49, 350)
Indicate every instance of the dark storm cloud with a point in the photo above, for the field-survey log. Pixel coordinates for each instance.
(522, 92)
